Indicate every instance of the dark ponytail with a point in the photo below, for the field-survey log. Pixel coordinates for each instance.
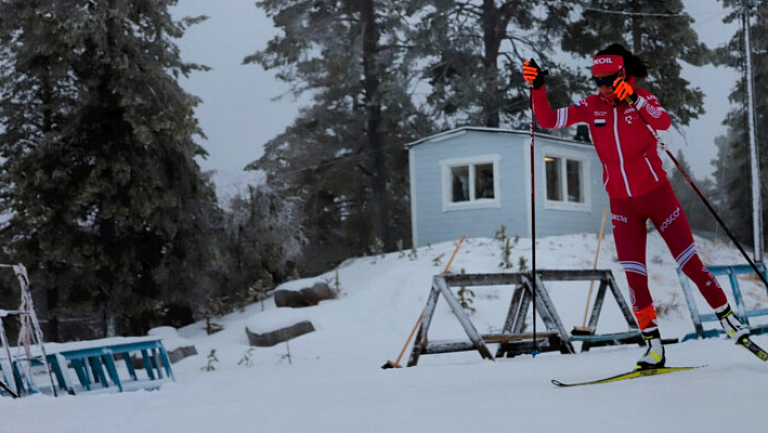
(634, 65)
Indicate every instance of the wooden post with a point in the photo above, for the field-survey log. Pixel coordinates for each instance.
(583, 329)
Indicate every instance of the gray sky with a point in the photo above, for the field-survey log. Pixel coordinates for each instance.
(239, 113)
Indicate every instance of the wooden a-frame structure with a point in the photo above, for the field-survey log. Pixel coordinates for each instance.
(512, 341)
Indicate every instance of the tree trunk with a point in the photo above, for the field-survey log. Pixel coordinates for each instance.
(637, 34)
(52, 294)
(379, 199)
(489, 98)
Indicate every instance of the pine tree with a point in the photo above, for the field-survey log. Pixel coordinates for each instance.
(343, 157)
(733, 164)
(661, 34)
(477, 50)
(99, 177)
(262, 246)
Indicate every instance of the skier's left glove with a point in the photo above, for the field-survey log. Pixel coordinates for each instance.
(624, 90)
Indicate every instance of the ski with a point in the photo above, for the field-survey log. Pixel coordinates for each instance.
(634, 374)
(750, 345)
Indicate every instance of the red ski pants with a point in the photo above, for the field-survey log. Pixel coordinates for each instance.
(629, 216)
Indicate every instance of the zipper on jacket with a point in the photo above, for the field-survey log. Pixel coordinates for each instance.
(650, 167)
(618, 149)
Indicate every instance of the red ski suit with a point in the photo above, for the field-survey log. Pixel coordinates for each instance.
(638, 188)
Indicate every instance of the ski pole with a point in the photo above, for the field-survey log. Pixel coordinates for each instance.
(533, 209)
(699, 193)
(533, 220)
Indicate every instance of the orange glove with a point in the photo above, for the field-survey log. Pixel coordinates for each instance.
(624, 90)
(532, 74)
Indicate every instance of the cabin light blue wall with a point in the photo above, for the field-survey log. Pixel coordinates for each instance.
(432, 223)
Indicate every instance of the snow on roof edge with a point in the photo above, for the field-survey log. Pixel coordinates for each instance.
(461, 130)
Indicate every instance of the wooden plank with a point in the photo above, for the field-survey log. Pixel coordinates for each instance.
(572, 274)
(501, 279)
(420, 342)
(550, 316)
(435, 347)
(506, 338)
(597, 307)
(618, 336)
(514, 309)
(514, 348)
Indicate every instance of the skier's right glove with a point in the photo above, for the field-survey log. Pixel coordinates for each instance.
(532, 74)
(624, 90)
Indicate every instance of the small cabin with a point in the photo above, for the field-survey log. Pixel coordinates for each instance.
(471, 181)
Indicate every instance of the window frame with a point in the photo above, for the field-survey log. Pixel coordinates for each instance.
(446, 167)
(564, 156)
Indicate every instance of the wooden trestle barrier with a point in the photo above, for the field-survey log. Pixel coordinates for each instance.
(512, 341)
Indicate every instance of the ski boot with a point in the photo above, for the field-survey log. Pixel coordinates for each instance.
(740, 334)
(654, 355)
(731, 324)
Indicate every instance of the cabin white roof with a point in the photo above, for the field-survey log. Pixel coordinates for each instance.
(451, 133)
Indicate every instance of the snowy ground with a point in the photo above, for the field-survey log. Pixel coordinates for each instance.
(332, 381)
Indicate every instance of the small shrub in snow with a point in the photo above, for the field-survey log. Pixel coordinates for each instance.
(247, 359)
(413, 255)
(501, 234)
(211, 360)
(377, 248)
(334, 282)
(216, 308)
(287, 353)
(466, 297)
(506, 252)
(507, 245)
(258, 292)
(522, 263)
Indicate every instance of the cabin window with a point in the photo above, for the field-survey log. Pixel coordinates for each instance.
(565, 181)
(470, 183)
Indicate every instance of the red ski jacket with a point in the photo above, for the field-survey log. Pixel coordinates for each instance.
(624, 144)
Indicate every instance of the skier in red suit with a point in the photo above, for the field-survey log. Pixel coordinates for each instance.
(636, 183)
